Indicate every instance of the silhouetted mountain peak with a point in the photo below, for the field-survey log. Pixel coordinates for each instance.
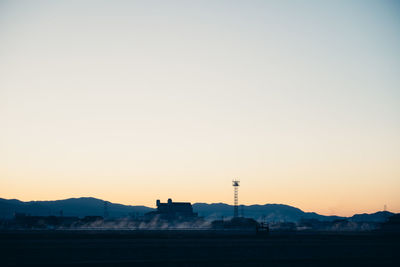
(83, 206)
(380, 216)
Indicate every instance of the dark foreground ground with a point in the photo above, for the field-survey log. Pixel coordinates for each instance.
(124, 248)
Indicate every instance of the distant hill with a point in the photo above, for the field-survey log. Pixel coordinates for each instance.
(268, 212)
(80, 207)
(86, 206)
(380, 216)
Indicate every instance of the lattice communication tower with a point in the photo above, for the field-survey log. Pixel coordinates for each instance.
(235, 184)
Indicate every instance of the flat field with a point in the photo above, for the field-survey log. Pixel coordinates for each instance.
(163, 248)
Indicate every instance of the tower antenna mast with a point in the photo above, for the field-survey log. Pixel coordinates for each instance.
(235, 184)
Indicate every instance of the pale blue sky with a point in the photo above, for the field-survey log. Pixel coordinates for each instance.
(136, 100)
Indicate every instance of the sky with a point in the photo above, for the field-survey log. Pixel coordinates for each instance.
(133, 101)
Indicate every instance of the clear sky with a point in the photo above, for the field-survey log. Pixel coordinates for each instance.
(133, 101)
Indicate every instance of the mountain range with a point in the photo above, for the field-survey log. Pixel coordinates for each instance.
(88, 206)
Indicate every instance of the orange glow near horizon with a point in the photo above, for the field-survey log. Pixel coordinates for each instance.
(312, 195)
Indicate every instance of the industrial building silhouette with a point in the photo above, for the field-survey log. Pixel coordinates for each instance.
(173, 211)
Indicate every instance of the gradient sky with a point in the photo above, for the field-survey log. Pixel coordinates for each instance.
(133, 101)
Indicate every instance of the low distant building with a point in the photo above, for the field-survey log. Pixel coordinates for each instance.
(22, 220)
(236, 223)
(172, 211)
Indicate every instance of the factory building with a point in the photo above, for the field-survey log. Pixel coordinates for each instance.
(172, 211)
